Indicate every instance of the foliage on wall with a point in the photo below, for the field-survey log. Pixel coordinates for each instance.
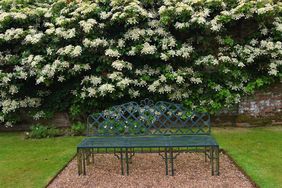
(79, 56)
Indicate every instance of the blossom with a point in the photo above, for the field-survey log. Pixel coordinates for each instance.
(106, 88)
(13, 33)
(241, 64)
(87, 25)
(34, 38)
(179, 79)
(112, 53)
(76, 51)
(196, 80)
(95, 80)
(38, 115)
(148, 49)
(124, 83)
(119, 65)
(95, 43)
(66, 34)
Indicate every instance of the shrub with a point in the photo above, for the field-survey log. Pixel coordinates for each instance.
(41, 131)
(77, 57)
(78, 129)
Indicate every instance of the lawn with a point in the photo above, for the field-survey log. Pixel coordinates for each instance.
(257, 150)
(33, 163)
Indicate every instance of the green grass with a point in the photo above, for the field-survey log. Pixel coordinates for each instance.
(257, 150)
(32, 163)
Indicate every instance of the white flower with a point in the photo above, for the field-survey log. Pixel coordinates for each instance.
(33, 38)
(40, 80)
(106, 88)
(48, 15)
(76, 51)
(241, 64)
(105, 15)
(185, 51)
(119, 65)
(95, 80)
(115, 76)
(196, 80)
(112, 53)
(132, 52)
(87, 25)
(264, 31)
(66, 34)
(61, 78)
(164, 57)
(179, 79)
(148, 49)
(38, 115)
(92, 92)
(13, 89)
(12, 33)
(265, 9)
(50, 31)
(95, 43)
(133, 93)
(124, 83)
(49, 51)
(121, 43)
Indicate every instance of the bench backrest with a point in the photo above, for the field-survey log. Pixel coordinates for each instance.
(148, 118)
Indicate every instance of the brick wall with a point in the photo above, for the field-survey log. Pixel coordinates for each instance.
(263, 108)
(263, 103)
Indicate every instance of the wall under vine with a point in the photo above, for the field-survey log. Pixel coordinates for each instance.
(81, 57)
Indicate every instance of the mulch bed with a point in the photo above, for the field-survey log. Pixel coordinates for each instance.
(148, 170)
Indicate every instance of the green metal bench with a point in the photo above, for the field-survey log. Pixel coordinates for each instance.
(163, 127)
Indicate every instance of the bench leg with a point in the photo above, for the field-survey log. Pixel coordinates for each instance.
(81, 158)
(88, 154)
(92, 155)
(212, 160)
(121, 161)
(84, 156)
(217, 161)
(166, 162)
(205, 154)
(79, 161)
(171, 161)
(127, 161)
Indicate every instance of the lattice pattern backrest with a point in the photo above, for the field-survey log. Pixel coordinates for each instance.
(147, 118)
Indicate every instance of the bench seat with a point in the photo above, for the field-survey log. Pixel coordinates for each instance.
(149, 141)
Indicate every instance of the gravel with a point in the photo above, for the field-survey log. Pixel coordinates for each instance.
(148, 170)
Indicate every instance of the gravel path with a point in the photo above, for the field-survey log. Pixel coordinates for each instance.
(148, 170)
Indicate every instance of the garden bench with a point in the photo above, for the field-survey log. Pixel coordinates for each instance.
(163, 127)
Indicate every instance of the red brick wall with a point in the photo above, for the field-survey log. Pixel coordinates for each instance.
(263, 108)
(264, 103)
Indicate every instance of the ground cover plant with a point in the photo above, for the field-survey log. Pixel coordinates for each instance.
(79, 56)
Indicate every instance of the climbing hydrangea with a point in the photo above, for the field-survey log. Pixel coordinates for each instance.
(86, 55)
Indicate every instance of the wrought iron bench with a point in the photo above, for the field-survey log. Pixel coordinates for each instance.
(163, 127)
